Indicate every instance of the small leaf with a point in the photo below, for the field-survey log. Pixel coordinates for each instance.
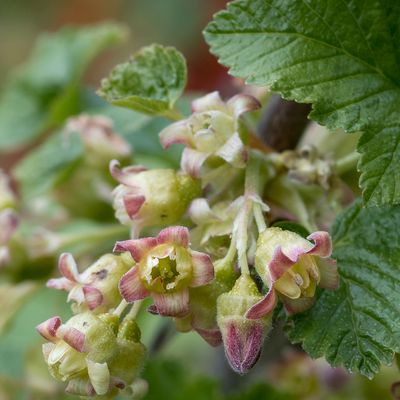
(48, 163)
(44, 91)
(150, 82)
(359, 324)
(342, 56)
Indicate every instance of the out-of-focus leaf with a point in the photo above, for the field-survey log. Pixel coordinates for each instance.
(45, 90)
(261, 391)
(12, 297)
(150, 82)
(169, 379)
(48, 164)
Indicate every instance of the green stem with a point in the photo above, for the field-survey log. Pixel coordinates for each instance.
(121, 308)
(347, 163)
(133, 312)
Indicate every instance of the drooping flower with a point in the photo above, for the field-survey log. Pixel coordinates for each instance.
(291, 267)
(99, 138)
(213, 130)
(151, 197)
(165, 269)
(96, 288)
(243, 338)
(96, 355)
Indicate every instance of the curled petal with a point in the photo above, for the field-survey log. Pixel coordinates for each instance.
(133, 203)
(72, 336)
(99, 376)
(329, 276)
(178, 235)
(8, 224)
(264, 306)
(131, 287)
(212, 336)
(117, 382)
(323, 244)
(175, 133)
(295, 306)
(243, 349)
(242, 103)
(175, 304)
(93, 296)
(124, 175)
(48, 329)
(68, 267)
(279, 264)
(138, 247)
(192, 160)
(203, 269)
(60, 284)
(211, 101)
(234, 151)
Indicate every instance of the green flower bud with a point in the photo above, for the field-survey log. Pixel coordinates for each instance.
(243, 338)
(152, 198)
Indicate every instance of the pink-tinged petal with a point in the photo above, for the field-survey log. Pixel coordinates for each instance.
(48, 329)
(80, 387)
(211, 101)
(68, 267)
(132, 204)
(264, 306)
(242, 103)
(131, 287)
(323, 244)
(152, 309)
(125, 175)
(243, 347)
(192, 160)
(178, 235)
(93, 296)
(234, 151)
(137, 247)
(72, 336)
(212, 336)
(279, 264)
(9, 222)
(60, 284)
(203, 269)
(178, 132)
(175, 304)
(329, 276)
(295, 306)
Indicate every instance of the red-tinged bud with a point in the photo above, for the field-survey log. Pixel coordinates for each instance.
(157, 197)
(243, 338)
(96, 288)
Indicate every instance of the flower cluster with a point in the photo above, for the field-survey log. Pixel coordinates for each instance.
(215, 266)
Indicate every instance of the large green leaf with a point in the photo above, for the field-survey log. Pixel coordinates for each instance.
(359, 324)
(45, 90)
(342, 56)
(150, 82)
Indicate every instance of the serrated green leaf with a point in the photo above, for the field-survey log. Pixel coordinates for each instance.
(359, 324)
(44, 91)
(48, 163)
(342, 56)
(150, 82)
